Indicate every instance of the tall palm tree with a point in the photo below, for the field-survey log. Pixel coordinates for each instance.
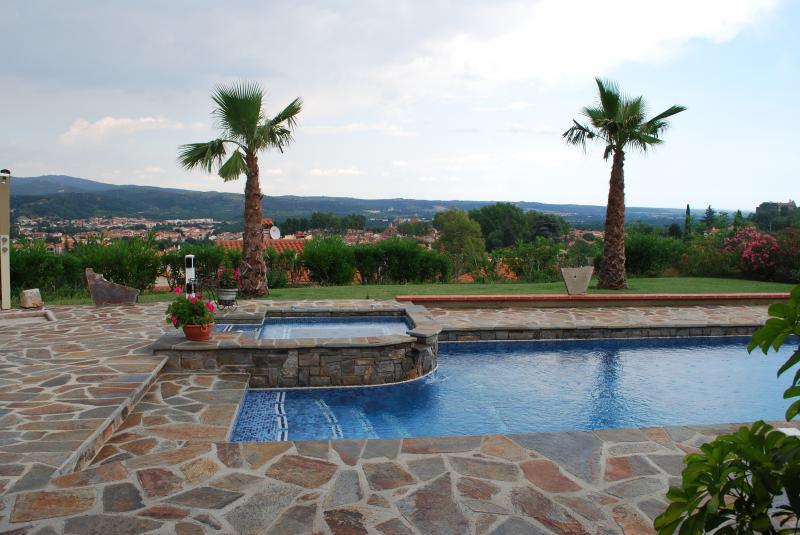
(245, 132)
(619, 122)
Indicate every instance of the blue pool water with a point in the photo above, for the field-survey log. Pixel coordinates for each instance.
(323, 327)
(517, 387)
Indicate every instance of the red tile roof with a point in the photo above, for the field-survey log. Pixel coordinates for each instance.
(278, 245)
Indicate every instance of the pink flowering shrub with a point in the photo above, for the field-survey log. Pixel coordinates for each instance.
(758, 252)
(189, 310)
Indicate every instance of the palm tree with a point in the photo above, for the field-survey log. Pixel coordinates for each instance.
(619, 122)
(245, 132)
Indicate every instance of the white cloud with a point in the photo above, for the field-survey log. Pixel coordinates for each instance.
(154, 170)
(556, 40)
(353, 128)
(350, 171)
(82, 130)
(400, 163)
(272, 172)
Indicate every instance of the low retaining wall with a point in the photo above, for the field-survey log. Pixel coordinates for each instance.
(385, 359)
(591, 300)
(476, 335)
(311, 362)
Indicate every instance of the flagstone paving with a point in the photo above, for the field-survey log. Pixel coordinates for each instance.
(83, 392)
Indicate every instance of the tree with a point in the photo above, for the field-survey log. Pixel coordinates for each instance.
(461, 239)
(245, 131)
(674, 231)
(709, 217)
(738, 220)
(687, 222)
(620, 123)
(502, 224)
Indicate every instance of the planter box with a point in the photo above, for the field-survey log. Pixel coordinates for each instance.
(577, 279)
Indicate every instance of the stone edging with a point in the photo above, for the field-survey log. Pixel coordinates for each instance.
(586, 333)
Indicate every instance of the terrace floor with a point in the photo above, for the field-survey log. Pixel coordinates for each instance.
(84, 393)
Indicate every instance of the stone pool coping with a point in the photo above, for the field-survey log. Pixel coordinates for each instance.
(592, 300)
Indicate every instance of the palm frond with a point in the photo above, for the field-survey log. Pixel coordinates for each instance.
(656, 125)
(642, 141)
(277, 132)
(669, 112)
(598, 116)
(239, 109)
(577, 134)
(289, 114)
(234, 167)
(202, 155)
(632, 112)
(610, 98)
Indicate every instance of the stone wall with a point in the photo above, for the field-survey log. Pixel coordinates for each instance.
(314, 366)
(477, 335)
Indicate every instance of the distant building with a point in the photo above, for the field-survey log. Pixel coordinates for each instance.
(776, 209)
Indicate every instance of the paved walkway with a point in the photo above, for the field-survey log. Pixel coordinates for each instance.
(67, 385)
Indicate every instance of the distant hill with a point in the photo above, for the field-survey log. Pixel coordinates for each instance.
(73, 198)
(51, 184)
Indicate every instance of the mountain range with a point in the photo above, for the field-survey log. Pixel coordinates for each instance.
(75, 198)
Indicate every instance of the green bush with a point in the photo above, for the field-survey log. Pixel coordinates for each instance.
(282, 268)
(732, 485)
(708, 257)
(399, 261)
(277, 279)
(369, 262)
(133, 262)
(535, 261)
(650, 254)
(33, 267)
(207, 261)
(329, 261)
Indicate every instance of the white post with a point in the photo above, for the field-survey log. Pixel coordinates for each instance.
(188, 269)
(5, 239)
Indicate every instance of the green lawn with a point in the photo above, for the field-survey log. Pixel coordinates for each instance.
(389, 291)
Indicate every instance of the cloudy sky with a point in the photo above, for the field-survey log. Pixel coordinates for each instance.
(437, 99)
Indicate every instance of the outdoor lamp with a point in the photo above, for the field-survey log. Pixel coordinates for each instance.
(5, 176)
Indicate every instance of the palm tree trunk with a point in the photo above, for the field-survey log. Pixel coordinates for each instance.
(254, 279)
(612, 271)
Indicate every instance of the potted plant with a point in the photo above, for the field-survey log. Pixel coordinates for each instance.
(228, 282)
(194, 314)
(577, 268)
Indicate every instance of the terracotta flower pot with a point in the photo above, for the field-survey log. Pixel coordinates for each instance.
(198, 333)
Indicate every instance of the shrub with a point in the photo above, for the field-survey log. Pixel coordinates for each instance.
(535, 261)
(758, 253)
(282, 268)
(33, 267)
(133, 262)
(207, 260)
(399, 261)
(329, 261)
(369, 262)
(707, 257)
(583, 253)
(650, 254)
(788, 268)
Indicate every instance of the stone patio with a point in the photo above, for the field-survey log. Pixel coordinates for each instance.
(84, 393)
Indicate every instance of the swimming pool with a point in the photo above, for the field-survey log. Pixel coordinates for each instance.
(519, 387)
(283, 328)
